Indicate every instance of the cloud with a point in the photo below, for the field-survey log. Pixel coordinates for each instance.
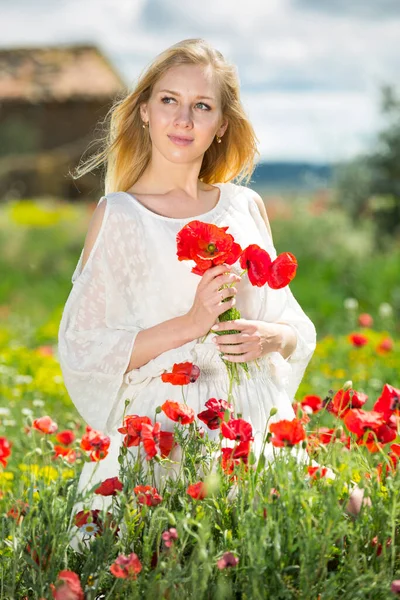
(309, 71)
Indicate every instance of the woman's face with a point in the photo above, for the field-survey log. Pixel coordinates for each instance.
(189, 109)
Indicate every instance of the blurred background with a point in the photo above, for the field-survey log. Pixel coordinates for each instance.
(319, 81)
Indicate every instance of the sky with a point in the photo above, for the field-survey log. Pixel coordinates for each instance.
(310, 71)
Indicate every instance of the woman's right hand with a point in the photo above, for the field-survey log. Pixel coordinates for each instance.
(208, 305)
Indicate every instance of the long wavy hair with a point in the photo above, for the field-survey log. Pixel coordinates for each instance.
(125, 148)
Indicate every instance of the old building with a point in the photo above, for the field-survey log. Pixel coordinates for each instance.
(51, 100)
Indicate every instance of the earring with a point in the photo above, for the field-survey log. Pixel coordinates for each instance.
(218, 139)
(145, 124)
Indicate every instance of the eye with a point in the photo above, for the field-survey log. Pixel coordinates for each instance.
(170, 98)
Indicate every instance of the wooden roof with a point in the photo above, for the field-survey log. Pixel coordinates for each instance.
(57, 73)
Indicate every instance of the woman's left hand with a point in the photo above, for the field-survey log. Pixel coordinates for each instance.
(255, 339)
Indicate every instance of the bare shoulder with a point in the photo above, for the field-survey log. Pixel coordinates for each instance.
(94, 227)
(261, 207)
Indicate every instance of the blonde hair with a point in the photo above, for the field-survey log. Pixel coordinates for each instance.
(126, 146)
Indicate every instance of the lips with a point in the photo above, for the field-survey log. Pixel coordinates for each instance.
(181, 139)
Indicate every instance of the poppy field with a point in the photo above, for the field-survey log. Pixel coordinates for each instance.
(224, 523)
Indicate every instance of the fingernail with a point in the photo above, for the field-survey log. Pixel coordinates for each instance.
(215, 327)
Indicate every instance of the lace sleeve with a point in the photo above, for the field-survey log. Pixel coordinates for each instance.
(93, 355)
(280, 306)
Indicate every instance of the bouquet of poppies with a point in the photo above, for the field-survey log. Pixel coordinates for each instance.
(209, 245)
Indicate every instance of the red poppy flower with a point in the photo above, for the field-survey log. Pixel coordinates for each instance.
(96, 443)
(5, 450)
(65, 437)
(343, 400)
(228, 560)
(257, 262)
(317, 472)
(325, 435)
(178, 412)
(126, 567)
(385, 345)
(147, 495)
(133, 429)
(301, 412)
(359, 421)
(365, 320)
(68, 587)
(358, 339)
(18, 510)
(282, 270)
(182, 374)
(109, 487)
(237, 429)
(198, 491)
(85, 516)
(214, 414)
(388, 402)
(312, 404)
(169, 536)
(206, 244)
(156, 441)
(231, 457)
(68, 453)
(45, 425)
(287, 433)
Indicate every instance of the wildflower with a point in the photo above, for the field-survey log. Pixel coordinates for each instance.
(237, 429)
(311, 404)
(343, 400)
(5, 450)
(228, 560)
(86, 516)
(358, 339)
(133, 429)
(358, 421)
(68, 453)
(257, 262)
(317, 472)
(68, 587)
(109, 487)
(65, 437)
(206, 244)
(18, 510)
(169, 536)
(126, 567)
(198, 491)
(147, 495)
(45, 425)
(395, 587)
(385, 310)
(96, 443)
(287, 433)
(215, 412)
(182, 374)
(388, 402)
(385, 345)
(365, 320)
(155, 441)
(231, 457)
(178, 412)
(350, 303)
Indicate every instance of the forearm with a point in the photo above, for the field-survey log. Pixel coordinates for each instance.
(152, 342)
(288, 340)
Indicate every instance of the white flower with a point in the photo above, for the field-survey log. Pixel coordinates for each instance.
(23, 378)
(350, 303)
(38, 403)
(27, 412)
(4, 411)
(385, 310)
(89, 529)
(9, 423)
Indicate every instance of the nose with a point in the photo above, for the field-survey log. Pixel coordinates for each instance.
(183, 117)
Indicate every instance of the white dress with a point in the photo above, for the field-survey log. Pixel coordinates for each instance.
(133, 280)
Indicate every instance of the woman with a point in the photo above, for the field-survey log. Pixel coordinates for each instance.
(174, 144)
